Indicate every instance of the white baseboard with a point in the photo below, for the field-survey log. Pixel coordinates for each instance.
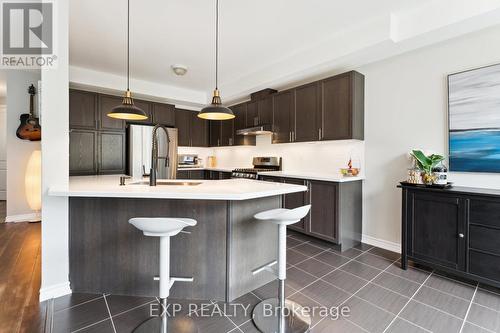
(54, 291)
(386, 245)
(24, 217)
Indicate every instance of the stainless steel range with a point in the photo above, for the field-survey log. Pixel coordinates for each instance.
(260, 164)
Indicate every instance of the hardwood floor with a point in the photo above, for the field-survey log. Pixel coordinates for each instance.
(20, 310)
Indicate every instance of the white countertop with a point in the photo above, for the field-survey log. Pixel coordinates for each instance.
(223, 169)
(228, 189)
(328, 177)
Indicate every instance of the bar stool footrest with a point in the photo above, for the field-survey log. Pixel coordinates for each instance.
(266, 267)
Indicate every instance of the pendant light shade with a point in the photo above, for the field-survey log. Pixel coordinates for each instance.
(127, 110)
(215, 110)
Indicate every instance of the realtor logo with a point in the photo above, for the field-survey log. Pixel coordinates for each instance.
(27, 34)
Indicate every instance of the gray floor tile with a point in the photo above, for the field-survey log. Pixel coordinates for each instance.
(293, 257)
(367, 315)
(240, 310)
(249, 327)
(209, 322)
(80, 316)
(118, 304)
(331, 258)
(345, 281)
(445, 302)
(291, 242)
(325, 294)
(471, 328)
(70, 300)
(397, 284)
(411, 273)
(363, 247)
(392, 256)
(340, 325)
(299, 236)
(298, 279)
(309, 250)
(484, 317)
(315, 267)
(102, 327)
(450, 286)
(430, 319)
(403, 326)
(309, 305)
(351, 253)
(487, 299)
(270, 290)
(374, 261)
(361, 270)
(383, 298)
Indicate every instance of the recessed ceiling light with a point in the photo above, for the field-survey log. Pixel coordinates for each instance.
(179, 70)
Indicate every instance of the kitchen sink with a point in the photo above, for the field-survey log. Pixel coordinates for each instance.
(170, 183)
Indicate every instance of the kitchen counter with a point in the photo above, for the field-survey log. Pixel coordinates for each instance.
(312, 176)
(222, 169)
(228, 189)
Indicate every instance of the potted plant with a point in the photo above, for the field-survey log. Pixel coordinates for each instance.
(426, 164)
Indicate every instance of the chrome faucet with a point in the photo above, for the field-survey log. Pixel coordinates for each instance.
(154, 154)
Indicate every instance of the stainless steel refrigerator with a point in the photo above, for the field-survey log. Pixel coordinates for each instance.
(140, 138)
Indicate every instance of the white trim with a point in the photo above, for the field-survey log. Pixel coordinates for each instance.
(384, 244)
(32, 217)
(54, 291)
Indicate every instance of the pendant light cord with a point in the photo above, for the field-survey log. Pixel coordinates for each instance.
(217, 44)
(128, 44)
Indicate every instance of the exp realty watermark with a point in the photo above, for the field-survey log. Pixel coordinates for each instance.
(27, 34)
(237, 309)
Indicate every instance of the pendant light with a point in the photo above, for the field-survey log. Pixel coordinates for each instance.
(127, 110)
(216, 111)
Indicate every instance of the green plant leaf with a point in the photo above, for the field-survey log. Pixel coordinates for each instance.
(424, 161)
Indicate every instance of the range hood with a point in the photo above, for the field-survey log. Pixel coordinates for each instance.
(257, 130)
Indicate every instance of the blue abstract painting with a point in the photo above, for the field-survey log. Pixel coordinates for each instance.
(474, 117)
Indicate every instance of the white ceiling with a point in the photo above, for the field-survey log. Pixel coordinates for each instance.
(262, 42)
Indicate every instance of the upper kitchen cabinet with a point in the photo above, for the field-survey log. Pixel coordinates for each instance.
(307, 113)
(164, 114)
(146, 107)
(82, 109)
(343, 107)
(193, 131)
(214, 138)
(227, 132)
(106, 104)
(240, 113)
(265, 111)
(284, 117)
(252, 118)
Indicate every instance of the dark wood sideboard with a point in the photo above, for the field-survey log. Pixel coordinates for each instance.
(454, 230)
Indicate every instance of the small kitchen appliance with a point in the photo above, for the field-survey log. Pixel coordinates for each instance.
(260, 164)
(188, 160)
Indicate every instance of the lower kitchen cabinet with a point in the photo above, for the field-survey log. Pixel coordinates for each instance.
(336, 209)
(191, 174)
(214, 175)
(454, 230)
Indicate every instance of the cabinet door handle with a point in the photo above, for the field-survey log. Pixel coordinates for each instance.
(293, 136)
(461, 235)
(320, 133)
(290, 136)
(218, 142)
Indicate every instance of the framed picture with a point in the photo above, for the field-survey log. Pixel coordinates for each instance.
(474, 120)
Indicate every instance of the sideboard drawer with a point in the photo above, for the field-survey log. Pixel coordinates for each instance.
(485, 239)
(485, 212)
(485, 265)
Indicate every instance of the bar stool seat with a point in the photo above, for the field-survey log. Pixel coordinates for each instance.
(164, 228)
(286, 316)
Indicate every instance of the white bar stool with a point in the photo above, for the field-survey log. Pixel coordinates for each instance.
(164, 228)
(287, 316)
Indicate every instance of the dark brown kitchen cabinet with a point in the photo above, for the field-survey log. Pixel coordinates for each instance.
(82, 152)
(82, 109)
(455, 230)
(147, 108)
(227, 133)
(240, 114)
(215, 132)
(342, 113)
(106, 104)
(111, 153)
(217, 175)
(294, 200)
(284, 117)
(265, 111)
(307, 113)
(324, 210)
(252, 118)
(164, 114)
(199, 131)
(183, 123)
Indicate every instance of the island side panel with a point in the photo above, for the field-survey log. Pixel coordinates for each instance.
(108, 255)
(251, 244)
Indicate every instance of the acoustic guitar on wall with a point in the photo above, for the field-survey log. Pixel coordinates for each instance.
(29, 129)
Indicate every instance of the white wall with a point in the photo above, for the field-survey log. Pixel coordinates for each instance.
(55, 164)
(18, 151)
(405, 108)
(3, 153)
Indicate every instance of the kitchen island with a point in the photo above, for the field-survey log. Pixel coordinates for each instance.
(108, 255)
